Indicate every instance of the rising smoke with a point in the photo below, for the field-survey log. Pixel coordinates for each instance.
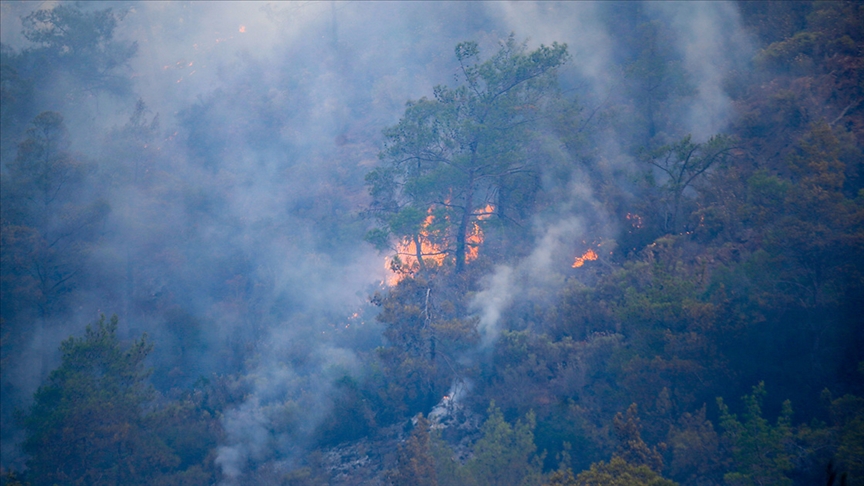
(237, 218)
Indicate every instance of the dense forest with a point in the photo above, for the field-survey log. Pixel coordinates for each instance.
(423, 243)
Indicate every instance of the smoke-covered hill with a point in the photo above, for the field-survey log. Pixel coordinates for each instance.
(558, 231)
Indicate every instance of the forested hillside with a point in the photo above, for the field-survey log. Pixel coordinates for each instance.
(483, 244)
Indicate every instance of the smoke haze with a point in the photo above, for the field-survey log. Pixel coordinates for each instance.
(234, 236)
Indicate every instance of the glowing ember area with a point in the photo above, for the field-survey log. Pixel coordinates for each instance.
(635, 220)
(472, 243)
(488, 211)
(475, 238)
(393, 278)
(587, 256)
(431, 253)
(405, 262)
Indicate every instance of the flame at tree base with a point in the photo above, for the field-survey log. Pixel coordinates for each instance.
(406, 262)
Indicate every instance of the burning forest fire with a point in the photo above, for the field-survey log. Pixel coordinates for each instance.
(433, 253)
(587, 256)
(635, 220)
(475, 238)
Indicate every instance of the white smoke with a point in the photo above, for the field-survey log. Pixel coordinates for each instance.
(538, 271)
(492, 301)
(450, 403)
(575, 23)
(330, 70)
(711, 38)
(247, 430)
(278, 389)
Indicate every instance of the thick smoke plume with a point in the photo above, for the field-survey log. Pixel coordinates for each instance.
(710, 40)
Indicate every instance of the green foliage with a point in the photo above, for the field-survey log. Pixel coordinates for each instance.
(848, 416)
(505, 454)
(695, 448)
(531, 370)
(563, 476)
(833, 31)
(449, 156)
(821, 230)
(192, 433)
(680, 165)
(577, 425)
(631, 447)
(75, 57)
(424, 344)
(86, 423)
(618, 472)
(761, 452)
(93, 421)
(416, 465)
(448, 470)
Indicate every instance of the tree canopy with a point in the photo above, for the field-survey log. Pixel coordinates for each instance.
(86, 423)
(444, 164)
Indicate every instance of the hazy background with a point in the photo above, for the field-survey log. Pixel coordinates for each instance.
(233, 237)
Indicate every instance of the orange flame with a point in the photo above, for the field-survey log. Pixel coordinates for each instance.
(475, 238)
(486, 212)
(433, 254)
(405, 261)
(588, 255)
